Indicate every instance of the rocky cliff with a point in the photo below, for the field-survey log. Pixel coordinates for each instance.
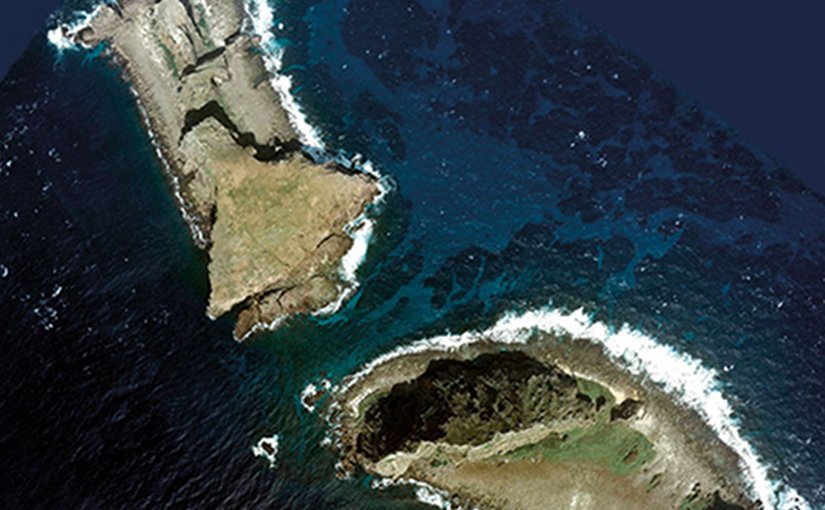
(469, 402)
(507, 428)
(272, 219)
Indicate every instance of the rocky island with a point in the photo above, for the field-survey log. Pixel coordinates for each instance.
(276, 224)
(548, 423)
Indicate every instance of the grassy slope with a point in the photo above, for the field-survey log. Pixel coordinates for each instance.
(612, 444)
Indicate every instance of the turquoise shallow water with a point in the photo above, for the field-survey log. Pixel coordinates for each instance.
(523, 177)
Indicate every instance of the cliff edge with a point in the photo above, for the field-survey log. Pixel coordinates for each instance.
(273, 221)
(512, 427)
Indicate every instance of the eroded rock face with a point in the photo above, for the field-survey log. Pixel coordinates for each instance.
(511, 427)
(273, 220)
(468, 402)
(626, 410)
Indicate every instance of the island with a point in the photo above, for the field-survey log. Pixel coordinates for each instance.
(549, 423)
(275, 222)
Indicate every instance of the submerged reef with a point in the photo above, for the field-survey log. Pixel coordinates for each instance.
(523, 427)
(275, 223)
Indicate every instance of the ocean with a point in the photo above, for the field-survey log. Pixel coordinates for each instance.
(537, 170)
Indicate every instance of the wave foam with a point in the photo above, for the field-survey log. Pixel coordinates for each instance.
(425, 493)
(312, 393)
(681, 375)
(360, 230)
(361, 235)
(267, 447)
(261, 19)
(260, 326)
(64, 36)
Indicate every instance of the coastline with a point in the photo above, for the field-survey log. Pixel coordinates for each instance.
(360, 229)
(680, 385)
(326, 279)
(709, 383)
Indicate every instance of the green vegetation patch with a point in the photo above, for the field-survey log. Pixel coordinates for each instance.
(204, 26)
(595, 390)
(613, 445)
(168, 57)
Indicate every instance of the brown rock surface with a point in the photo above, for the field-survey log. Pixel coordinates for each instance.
(272, 219)
(512, 427)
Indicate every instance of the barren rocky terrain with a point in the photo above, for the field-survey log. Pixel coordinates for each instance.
(272, 219)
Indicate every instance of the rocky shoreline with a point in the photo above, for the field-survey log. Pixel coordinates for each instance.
(274, 222)
(548, 423)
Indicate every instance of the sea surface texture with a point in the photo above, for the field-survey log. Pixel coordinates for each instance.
(535, 164)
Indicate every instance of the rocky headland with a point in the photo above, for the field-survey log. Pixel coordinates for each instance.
(274, 222)
(552, 423)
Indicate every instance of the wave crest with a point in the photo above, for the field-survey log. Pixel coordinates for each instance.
(64, 36)
(261, 18)
(680, 375)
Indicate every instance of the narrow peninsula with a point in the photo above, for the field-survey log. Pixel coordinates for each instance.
(274, 221)
(550, 423)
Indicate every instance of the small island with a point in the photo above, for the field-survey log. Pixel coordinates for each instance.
(276, 224)
(550, 423)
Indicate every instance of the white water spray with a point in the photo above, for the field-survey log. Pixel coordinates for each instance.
(680, 375)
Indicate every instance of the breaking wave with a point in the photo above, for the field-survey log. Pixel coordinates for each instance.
(261, 17)
(424, 492)
(63, 36)
(267, 447)
(681, 375)
(260, 21)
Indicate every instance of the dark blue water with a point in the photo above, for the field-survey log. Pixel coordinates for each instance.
(535, 162)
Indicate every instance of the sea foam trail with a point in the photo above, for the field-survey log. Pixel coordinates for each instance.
(261, 17)
(424, 492)
(267, 447)
(63, 36)
(681, 375)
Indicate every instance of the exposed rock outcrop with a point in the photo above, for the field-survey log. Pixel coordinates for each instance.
(272, 220)
(626, 410)
(468, 402)
(517, 429)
